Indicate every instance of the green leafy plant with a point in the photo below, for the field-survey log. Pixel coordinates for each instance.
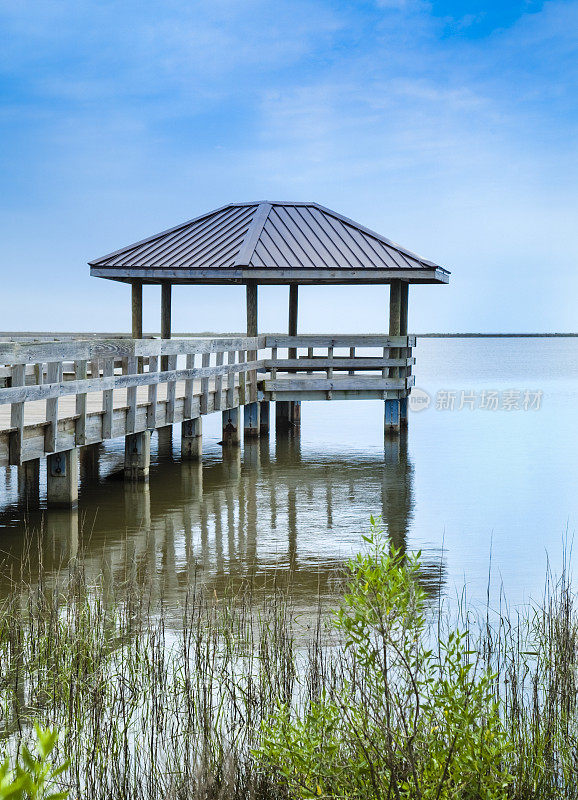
(34, 775)
(401, 720)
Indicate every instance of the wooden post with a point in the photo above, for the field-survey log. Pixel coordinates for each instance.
(252, 309)
(165, 319)
(136, 309)
(137, 457)
(62, 479)
(293, 312)
(403, 314)
(192, 439)
(295, 405)
(231, 427)
(283, 416)
(251, 410)
(391, 417)
(264, 417)
(252, 423)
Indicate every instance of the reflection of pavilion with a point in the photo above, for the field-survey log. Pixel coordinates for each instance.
(257, 516)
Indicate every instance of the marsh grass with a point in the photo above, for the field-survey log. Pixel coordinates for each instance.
(244, 699)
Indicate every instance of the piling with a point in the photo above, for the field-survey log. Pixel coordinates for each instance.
(192, 439)
(137, 457)
(230, 432)
(62, 479)
(251, 413)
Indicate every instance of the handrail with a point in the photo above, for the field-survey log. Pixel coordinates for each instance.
(48, 371)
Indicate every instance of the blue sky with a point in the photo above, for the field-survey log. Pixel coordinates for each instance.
(450, 127)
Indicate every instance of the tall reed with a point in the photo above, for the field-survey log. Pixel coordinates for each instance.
(236, 700)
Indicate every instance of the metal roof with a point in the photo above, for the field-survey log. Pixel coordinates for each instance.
(277, 242)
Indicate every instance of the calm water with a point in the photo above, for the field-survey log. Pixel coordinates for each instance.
(466, 481)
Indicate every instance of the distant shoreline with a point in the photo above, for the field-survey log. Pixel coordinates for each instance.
(495, 335)
(16, 335)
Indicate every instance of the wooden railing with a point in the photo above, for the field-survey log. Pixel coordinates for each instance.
(51, 371)
(317, 363)
(211, 374)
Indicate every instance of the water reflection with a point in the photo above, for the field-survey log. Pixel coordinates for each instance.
(263, 516)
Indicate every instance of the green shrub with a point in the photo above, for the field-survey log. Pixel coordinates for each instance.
(401, 720)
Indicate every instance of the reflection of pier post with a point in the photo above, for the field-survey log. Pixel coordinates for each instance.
(169, 556)
(252, 454)
(288, 447)
(218, 532)
(251, 514)
(232, 473)
(62, 534)
(397, 490)
(137, 505)
(292, 527)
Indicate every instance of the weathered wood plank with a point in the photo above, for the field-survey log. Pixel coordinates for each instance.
(17, 416)
(295, 384)
(109, 382)
(329, 362)
(53, 375)
(322, 362)
(242, 376)
(190, 365)
(355, 340)
(230, 378)
(152, 392)
(107, 399)
(218, 382)
(42, 352)
(206, 360)
(131, 395)
(80, 373)
(171, 387)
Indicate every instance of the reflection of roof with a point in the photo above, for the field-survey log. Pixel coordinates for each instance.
(270, 242)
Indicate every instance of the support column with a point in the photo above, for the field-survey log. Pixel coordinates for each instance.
(392, 408)
(62, 531)
(403, 315)
(137, 457)
(29, 479)
(295, 405)
(252, 309)
(264, 412)
(165, 319)
(192, 439)
(251, 420)
(251, 410)
(230, 423)
(283, 416)
(62, 479)
(136, 309)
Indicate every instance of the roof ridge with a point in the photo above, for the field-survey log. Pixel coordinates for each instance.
(253, 234)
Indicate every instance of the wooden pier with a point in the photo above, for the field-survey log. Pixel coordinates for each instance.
(59, 396)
